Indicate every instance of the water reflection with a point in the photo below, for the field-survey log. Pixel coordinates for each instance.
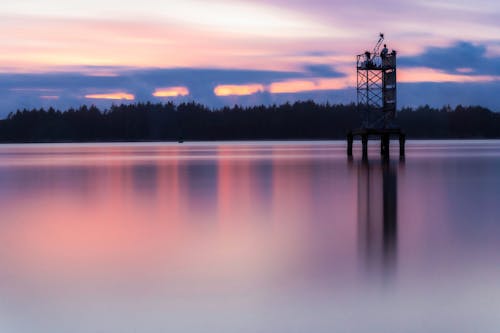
(246, 238)
(377, 215)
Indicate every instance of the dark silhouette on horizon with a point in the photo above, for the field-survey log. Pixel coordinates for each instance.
(191, 122)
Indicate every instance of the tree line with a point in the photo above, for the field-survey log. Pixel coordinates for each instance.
(192, 121)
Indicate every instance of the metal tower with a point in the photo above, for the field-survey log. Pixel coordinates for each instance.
(376, 86)
(376, 90)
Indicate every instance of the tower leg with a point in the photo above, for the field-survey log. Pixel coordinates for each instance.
(402, 141)
(384, 145)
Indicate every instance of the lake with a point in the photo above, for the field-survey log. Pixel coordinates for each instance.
(249, 237)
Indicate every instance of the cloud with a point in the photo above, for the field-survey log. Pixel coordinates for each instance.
(320, 83)
(238, 90)
(460, 58)
(117, 96)
(453, 93)
(322, 70)
(171, 92)
(318, 54)
(100, 85)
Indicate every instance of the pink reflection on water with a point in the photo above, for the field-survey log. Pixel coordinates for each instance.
(264, 231)
(116, 221)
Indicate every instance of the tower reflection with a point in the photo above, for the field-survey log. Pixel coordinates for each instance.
(377, 216)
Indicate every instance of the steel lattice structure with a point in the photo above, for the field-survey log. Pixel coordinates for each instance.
(376, 87)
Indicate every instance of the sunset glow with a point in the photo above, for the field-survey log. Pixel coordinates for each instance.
(238, 90)
(432, 75)
(236, 49)
(171, 92)
(112, 96)
(302, 86)
(250, 166)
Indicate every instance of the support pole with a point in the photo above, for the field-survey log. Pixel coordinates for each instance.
(364, 141)
(402, 140)
(350, 139)
(384, 145)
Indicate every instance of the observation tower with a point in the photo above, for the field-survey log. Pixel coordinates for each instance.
(376, 100)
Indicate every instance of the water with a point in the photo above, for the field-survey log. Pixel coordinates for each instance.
(249, 237)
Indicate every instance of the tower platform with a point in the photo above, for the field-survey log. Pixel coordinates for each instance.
(382, 134)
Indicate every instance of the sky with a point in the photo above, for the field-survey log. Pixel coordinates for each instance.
(224, 52)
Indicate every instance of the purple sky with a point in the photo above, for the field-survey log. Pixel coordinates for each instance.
(68, 53)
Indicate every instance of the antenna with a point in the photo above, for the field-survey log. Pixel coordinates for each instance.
(379, 43)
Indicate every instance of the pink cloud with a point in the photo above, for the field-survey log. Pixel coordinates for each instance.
(112, 96)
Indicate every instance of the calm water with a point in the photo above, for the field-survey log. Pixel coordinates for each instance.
(249, 237)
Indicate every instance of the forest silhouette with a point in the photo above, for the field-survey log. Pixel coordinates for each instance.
(196, 122)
